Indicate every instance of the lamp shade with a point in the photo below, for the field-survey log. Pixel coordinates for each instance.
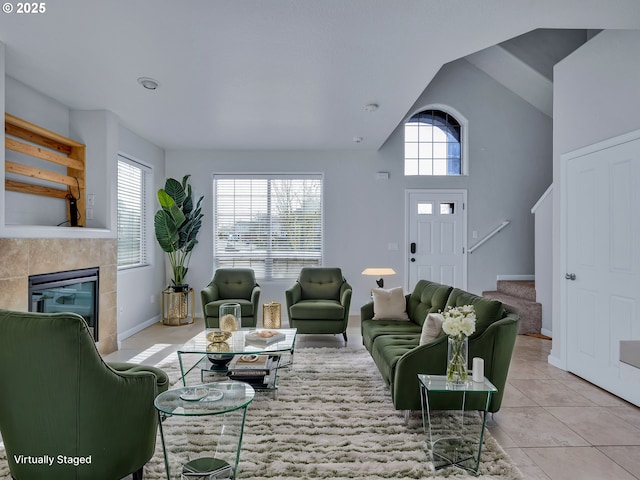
(377, 271)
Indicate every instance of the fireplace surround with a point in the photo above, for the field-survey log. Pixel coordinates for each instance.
(25, 257)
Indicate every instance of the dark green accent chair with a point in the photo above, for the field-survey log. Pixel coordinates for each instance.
(319, 301)
(58, 397)
(395, 346)
(231, 285)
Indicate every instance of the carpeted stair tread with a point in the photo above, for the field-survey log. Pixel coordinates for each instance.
(530, 311)
(518, 288)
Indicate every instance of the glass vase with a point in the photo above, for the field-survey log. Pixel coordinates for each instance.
(229, 315)
(457, 359)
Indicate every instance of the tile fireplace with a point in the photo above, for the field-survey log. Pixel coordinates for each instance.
(27, 257)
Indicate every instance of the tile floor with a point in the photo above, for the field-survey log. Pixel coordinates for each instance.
(553, 424)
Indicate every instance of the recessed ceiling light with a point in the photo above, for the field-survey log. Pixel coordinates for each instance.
(357, 139)
(371, 107)
(148, 83)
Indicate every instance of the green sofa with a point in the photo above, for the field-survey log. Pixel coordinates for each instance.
(395, 345)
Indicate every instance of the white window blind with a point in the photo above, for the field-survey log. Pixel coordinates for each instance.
(133, 179)
(270, 223)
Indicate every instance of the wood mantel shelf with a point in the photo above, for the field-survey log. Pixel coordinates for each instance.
(34, 141)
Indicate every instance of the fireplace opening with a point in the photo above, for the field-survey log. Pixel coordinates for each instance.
(71, 291)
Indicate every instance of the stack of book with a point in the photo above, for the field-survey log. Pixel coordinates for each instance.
(254, 369)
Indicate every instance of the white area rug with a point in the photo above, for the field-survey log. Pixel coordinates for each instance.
(332, 418)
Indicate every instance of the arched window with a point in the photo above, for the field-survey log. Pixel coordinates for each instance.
(432, 144)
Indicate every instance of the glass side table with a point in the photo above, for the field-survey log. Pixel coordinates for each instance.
(454, 437)
(208, 447)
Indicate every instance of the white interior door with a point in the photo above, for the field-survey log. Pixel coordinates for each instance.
(603, 274)
(436, 226)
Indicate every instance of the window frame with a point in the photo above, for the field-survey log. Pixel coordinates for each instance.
(146, 225)
(464, 135)
(268, 272)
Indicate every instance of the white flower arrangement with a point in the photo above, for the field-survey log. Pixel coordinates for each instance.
(459, 321)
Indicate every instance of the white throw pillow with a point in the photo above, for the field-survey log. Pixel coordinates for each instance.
(389, 304)
(431, 328)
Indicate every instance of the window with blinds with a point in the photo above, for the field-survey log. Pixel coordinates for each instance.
(133, 179)
(270, 223)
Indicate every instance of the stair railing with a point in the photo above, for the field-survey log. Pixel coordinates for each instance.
(493, 232)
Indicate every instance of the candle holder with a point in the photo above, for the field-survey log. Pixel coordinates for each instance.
(272, 315)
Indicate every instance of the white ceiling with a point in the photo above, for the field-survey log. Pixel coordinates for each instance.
(270, 74)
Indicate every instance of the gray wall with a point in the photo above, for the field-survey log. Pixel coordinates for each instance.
(595, 98)
(544, 259)
(139, 288)
(510, 167)
(28, 104)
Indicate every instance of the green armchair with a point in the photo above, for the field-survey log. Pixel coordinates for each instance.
(231, 285)
(59, 398)
(319, 301)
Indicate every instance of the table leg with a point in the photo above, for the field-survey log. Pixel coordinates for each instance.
(164, 448)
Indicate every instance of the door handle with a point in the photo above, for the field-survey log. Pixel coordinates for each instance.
(413, 247)
(570, 276)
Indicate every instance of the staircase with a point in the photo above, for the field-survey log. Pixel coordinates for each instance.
(520, 295)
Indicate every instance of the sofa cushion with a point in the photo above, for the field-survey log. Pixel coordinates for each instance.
(389, 304)
(487, 310)
(371, 329)
(387, 350)
(212, 309)
(432, 328)
(317, 309)
(427, 297)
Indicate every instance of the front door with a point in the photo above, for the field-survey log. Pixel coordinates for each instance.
(436, 226)
(602, 277)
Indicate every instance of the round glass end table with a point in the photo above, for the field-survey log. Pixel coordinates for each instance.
(208, 448)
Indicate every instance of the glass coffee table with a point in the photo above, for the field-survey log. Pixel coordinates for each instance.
(455, 437)
(216, 411)
(213, 357)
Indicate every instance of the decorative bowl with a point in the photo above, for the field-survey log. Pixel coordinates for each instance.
(218, 353)
(218, 347)
(218, 337)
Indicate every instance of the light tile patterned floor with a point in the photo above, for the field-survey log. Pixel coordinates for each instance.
(553, 424)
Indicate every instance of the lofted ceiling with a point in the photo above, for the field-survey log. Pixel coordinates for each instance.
(270, 75)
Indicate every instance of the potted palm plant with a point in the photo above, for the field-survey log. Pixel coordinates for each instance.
(177, 224)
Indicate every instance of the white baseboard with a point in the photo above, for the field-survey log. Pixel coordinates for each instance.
(546, 332)
(141, 326)
(555, 361)
(516, 277)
